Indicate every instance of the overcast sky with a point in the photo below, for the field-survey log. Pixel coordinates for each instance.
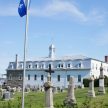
(74, 26)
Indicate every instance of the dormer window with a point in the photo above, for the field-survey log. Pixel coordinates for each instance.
(62, 65)
(21, 66)
(29, 66)
(69, 65)
(79, 65)
(49, 65)
(11, 66)
(42, 66)
(59, 65)
(36, 66)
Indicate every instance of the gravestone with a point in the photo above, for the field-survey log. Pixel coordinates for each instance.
(55, 90)
(48, 94)
(62, 89)
(101, 81)
(48, 90)
(18, 89)
(7, 95)
(91, 92)
(70, 99)
(13, 89)
(82, 86)
(34, 89)
(42, 89)
(27, 90)
(2, 92)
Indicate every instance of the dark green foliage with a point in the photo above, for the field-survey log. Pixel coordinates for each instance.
(86, 82)
(106, 81)
(96, 82)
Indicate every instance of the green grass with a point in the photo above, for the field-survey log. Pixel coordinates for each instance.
(36, 100)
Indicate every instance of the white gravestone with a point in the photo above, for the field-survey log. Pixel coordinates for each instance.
(101, 81)
(70, 99)
(91, 92)
(48, 93)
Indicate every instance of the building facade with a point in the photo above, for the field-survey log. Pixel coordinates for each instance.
(64, 67)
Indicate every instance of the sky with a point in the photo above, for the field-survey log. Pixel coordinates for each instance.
(75, 27)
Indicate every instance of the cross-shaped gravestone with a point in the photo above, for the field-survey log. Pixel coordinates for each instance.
(49, 71)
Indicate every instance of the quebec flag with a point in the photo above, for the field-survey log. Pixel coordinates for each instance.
(22, 9)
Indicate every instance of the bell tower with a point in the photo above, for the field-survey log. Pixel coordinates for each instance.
(52, 51)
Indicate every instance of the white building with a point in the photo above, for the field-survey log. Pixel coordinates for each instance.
(78, 66)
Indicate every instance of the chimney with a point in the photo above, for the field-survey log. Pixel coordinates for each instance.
(106, 59)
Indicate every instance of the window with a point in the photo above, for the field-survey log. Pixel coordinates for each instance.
(42, 78)
(62, 65)
(42, 66)
(11, 66)
(58, 77)
(79, 78)
(79, 65)
(20, 77)
(59, 65)
(68, 77)
(36, 66)
(28, 77)
(49, 65)
(35, 77)
(10, 77)
(68, 65)
(29, 66)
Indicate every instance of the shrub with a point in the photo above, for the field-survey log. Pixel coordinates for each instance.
(96, 82)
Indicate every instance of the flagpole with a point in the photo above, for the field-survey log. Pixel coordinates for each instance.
(25, 49)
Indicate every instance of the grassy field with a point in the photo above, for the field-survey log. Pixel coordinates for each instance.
(36, 100)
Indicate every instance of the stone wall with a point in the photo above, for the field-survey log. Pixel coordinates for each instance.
(14, 78)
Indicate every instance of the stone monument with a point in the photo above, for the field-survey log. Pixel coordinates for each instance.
(48, 90)
(91, 92)
(70, 99)
(101, 81)
(55, 90)
(6, 95)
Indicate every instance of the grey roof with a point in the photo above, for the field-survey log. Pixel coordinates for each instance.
(63, 58)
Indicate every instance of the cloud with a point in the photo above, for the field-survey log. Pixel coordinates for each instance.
(96, 16)
(57, 8)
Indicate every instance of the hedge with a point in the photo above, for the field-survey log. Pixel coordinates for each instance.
(96, 82)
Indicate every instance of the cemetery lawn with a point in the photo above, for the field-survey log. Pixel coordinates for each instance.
(36, 100)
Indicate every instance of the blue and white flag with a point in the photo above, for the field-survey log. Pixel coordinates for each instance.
(22, 8)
